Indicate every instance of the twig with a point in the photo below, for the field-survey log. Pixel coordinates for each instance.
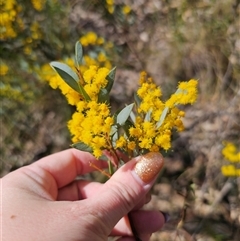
(134, 231)
(100, 170)
(224, 191)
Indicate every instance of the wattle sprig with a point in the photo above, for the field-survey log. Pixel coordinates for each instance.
(140, 127)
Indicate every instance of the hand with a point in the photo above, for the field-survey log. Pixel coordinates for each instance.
(45, 201)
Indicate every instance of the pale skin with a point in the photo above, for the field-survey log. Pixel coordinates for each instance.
(44, 201)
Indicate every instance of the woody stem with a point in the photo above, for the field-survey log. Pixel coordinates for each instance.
(134, 231)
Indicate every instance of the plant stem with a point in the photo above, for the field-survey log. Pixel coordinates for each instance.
(134, 231)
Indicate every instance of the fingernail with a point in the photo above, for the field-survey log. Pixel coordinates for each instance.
(166, 216)
(149, 166)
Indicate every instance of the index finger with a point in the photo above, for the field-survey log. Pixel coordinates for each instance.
(66, 165)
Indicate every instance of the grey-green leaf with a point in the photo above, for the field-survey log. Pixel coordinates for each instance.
(70, 77)
(137, 99)
(84, 93)
(103, 96)
(124, 114)
(162, 117)
(148, 115)
(82, 147)
(67, 74)
(114, 129)
(103, 158)
(110, 78)
(78, 53)
(133, 117)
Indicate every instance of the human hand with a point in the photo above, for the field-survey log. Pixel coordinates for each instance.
(45, 201)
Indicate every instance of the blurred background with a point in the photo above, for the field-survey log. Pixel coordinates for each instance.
(172, 41)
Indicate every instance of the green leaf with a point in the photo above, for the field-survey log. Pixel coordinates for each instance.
(67, 74)
(110, 78)
(82, 147)
(84, 93)
(70, 77)
(103, 96)
(162, 117)
(124, 114)
(128, 124)
(78, 53)
(103, 158)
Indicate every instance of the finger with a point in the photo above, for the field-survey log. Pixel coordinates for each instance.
(78, 190)
(66, 165)
(146, 199)
(145, 237)
(82, 189)
(123, 191)
(145, 222)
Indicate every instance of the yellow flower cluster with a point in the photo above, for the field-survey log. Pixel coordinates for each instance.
(3, 68)
(126, 9)
(99, 58)
(91, 123)
(36, 34)
(91, 38)
(230, 171)
(231, 154)
(9, 92)
(95, 79)
(11, 22)
(110, 6)
(150, 132)
(38, 4)
(186, 94)
(9, 19)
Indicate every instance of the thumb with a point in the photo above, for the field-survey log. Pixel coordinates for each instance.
(122, 192)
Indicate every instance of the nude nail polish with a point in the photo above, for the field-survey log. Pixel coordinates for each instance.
(149, 166)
